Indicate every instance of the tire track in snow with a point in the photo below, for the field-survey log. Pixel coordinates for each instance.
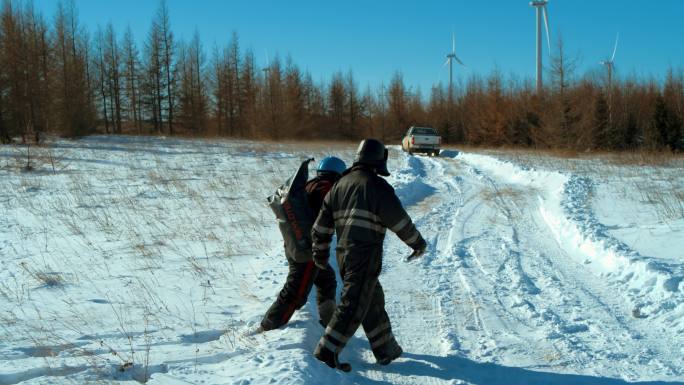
(466, 296)
(496, 240)
(459, 311)
(449, 256)
(443, 215)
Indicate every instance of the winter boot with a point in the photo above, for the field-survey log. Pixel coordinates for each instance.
(388, 352)
(330, 358)
(326, 309)
(393, 356)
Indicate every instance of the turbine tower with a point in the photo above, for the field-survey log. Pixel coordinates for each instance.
(609, 65)
(540, 7)
(450, 61)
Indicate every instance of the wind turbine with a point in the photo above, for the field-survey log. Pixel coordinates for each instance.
(540, 6)
(267, 69)
(450, 61)
(609, 63)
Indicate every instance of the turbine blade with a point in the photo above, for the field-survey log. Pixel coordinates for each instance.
(453, 43)
(268, 61)
(546, 24)
(615, 49)
(446, 62)
(459, 61)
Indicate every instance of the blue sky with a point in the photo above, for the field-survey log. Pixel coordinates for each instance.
(376, 38)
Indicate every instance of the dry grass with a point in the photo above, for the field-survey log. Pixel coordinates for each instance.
(47, 278)
(668, 203)
(511, 202)
(645, 158)
(625, 158)
(32, 158)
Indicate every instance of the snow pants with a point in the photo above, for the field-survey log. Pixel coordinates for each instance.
(300, 279)
(362, 303)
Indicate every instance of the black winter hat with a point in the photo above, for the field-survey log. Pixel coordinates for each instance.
(372, 152)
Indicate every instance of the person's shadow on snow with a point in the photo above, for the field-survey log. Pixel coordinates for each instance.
(460, 368)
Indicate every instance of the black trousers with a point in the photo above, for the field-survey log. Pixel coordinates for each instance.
(362, 303)
(300, 279)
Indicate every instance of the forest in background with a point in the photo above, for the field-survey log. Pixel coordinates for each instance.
(56, 77)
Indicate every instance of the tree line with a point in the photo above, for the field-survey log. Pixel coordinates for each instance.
(58, 77)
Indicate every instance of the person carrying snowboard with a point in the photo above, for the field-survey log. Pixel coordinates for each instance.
(359, 208)
(303, 273)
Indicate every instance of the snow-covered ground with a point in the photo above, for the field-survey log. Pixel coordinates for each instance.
(127, 260)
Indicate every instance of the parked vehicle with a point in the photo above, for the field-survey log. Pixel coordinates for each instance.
(422, 140)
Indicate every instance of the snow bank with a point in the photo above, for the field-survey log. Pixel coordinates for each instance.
(409, 180)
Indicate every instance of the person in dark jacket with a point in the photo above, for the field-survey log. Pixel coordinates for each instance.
(302, 276)
(359, 209)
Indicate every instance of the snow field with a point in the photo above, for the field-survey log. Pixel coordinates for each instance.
(151, 259)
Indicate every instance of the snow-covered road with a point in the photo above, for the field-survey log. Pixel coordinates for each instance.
(173, 257)
(498, 286)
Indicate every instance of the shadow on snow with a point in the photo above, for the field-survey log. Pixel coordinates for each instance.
(454, 367)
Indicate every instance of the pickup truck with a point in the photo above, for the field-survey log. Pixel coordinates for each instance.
(421, 139)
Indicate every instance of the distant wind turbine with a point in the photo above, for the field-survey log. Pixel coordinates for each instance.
(268, 65)
(540, 6)
(609, 63)
(450, 61)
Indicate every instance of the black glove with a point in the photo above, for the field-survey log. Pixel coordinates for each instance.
(418, 250)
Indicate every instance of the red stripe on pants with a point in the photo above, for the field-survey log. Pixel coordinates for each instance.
(300, 293)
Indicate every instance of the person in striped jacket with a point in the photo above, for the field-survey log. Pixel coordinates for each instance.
(359, 209)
